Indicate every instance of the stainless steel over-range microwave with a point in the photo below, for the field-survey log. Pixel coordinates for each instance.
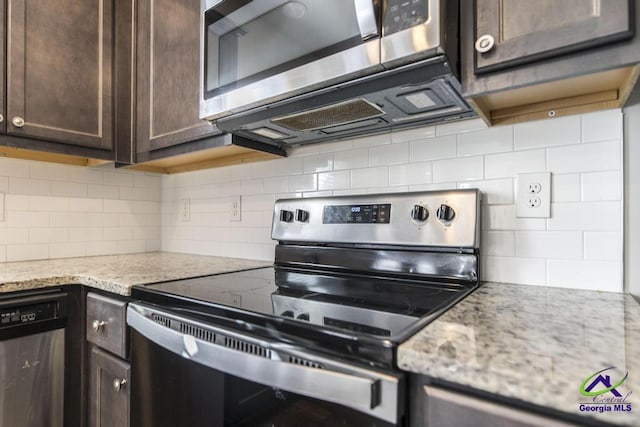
(257, 53)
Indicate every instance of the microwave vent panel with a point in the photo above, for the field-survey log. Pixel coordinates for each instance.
(332, 115)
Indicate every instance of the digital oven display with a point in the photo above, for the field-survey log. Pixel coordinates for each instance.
(357, 214)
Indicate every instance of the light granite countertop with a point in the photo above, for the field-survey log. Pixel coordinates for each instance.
(535, 344)
(116, 273)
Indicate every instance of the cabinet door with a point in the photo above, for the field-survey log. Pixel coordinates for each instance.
(59, 55)
(526, 31)
(110, 395)
(168, 75)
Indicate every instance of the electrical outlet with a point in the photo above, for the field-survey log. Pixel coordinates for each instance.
(185, 210)
(533, 198)
(1, 207)
(235, 209)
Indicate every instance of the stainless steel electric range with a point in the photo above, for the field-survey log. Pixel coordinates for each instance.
(311, 340)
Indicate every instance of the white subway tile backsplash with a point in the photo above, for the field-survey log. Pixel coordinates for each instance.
(15, 202)
(15, 168)
(332, 147)
(334, 180)
(4, 184)
(443, 147)
(27, 219)
(3, 253)
(317, 163)
(351, 159)
(565, 188)
(497, 139)
(48, 204)
(68, 219)
(498, 243)
(549, 244)
(413, 134)
(591, 157)
(509, 165)
(27, 252)
(495, 191)
(593, 275)
(602, 126)
(303, 182)
(526, 271)
(68, 189)
(461, 126)
(276, 185)
(371, 141)
(389, 154)
(288, 166)
(118, 178)
(86, 175)
(411, 174)
(604, 246)
(67, 250)
(99, 191)
(14, 236)
(370, 177)
(602, 186)
(586, 216)
(546, 133)
(464, 168)
(85, 205)
(35, 187)
(48, 235)
(503, 217)
(50, 172)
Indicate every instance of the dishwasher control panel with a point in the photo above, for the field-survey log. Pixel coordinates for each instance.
(31, 309)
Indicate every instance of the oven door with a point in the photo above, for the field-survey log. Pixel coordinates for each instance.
(185, 372)
(255, 52)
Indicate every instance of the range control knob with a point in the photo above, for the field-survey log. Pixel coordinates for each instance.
(302, 215)
(419, 213)
(286, 216)
(287, 313)
(445, 213)
(303, 316)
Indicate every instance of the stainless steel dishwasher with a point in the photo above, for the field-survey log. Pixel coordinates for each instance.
(32, 358)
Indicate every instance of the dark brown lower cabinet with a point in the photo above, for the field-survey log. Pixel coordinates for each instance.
(109, 390)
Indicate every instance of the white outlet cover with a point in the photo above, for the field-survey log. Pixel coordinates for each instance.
(185, 210)
(523, 194)
(1, 207)
(235, 209)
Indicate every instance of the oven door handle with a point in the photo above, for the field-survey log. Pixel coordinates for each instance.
(366, 16)
(357, 391)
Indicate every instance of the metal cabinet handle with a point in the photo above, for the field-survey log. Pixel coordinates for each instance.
(1, 118)
(119, 383)
(97, 325)
(18, 122)
(366, 16)
(485, 43)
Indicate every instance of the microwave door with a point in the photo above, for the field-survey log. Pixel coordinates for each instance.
(258, 52)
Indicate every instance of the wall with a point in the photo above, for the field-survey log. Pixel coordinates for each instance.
(580, 246)
(632, 193)
(59, 211)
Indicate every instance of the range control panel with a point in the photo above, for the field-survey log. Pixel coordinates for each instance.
(31, 309)
(434, 218)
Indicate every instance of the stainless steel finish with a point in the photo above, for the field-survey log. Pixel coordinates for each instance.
(32, 373)
(1, 118)
(417, 42)
(119, 383)
(271, 363)
(106, 323)
(351, 63)
(462, 232)
(485, 43)
(366, 18)
(96, 325)
(318, 310)
(18, 122)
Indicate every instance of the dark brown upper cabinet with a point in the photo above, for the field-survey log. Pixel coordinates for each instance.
(513, 32)
(531, 60)
(59, 74)
(168, 68)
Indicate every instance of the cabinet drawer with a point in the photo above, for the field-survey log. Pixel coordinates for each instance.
(106, 323)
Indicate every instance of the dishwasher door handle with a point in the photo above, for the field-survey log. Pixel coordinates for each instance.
(361, 392)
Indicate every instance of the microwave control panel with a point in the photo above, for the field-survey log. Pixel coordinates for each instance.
(403, 14)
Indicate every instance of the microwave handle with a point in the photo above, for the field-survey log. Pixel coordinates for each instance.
(351, 390)
(366, 15)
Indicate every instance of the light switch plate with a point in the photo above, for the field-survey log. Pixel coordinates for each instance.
(1, 207)
(533, 195)
(235, 209)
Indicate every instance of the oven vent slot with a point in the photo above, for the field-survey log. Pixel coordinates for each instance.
(304, 362)
(160, 319)
(197, 332)
(246, 347)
